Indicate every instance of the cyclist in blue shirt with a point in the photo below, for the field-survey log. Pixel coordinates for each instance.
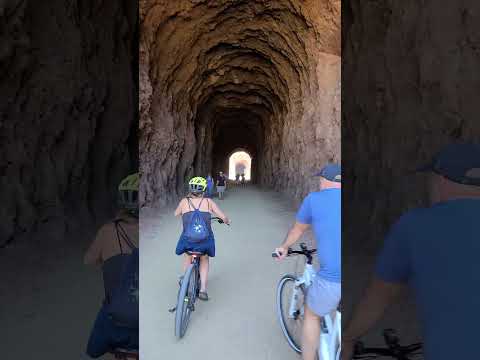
(322, 211)
(433, 250)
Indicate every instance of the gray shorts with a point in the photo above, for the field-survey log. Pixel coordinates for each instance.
(221, 189)
(323, 296)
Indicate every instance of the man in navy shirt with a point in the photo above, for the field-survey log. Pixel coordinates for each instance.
(435, 251)
(322, 211)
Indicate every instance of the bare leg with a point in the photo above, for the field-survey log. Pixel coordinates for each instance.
(204, 264)
(186, 262)
(311, 334)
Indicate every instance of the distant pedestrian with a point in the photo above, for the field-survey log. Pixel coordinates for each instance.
(221, 185)
(210, 184)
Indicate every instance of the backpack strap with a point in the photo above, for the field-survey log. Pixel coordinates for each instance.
(193, 206)
(121, 232)
(116, 222)
(200, 204)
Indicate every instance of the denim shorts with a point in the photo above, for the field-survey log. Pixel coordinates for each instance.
(323, 296)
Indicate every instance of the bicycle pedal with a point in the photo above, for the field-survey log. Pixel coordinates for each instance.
(172, 310)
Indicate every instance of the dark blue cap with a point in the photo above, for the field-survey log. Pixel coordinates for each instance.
(331, 172)
(459, 163)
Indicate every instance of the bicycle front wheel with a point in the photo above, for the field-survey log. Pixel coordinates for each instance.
(185, 302)
(290, 310)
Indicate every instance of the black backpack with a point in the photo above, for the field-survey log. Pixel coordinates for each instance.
(123, 305)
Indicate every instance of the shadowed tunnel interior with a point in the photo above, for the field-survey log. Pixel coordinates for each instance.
(216, 76)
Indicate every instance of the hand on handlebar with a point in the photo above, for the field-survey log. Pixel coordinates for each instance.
(222, 221)
(281, 253)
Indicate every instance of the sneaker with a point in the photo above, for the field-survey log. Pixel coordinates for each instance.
(203, 296)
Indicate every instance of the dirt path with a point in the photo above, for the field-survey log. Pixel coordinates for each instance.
(52, 300)
(238, 322)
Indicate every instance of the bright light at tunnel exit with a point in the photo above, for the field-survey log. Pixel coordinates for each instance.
(240, 162)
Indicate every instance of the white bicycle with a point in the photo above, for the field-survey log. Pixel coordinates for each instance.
(291, 291)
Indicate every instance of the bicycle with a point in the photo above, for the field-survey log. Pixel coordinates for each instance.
(124, 354)
(290, 310)
(188, 292)
(393, 350)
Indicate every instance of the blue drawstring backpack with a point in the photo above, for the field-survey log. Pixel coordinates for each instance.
(123, 306)
(196, 230)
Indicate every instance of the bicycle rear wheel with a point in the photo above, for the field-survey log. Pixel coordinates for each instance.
(291, 325)
(186, 300)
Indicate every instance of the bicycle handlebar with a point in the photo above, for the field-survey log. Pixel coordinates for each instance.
(219, 220)
(393, 349)
(304, 251)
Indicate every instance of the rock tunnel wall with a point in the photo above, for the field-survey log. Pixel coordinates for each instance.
(258, 75)
(420, 60)
(68, 127)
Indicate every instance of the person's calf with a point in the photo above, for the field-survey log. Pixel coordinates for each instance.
(310, 334)
(204, 265)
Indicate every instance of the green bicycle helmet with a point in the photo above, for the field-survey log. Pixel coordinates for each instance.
(197, 185)
(128, 193)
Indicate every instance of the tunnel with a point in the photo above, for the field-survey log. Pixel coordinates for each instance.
(216, 76)
(69, 120)
(402, 108)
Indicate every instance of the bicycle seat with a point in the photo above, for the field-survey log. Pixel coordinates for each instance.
(197, 253)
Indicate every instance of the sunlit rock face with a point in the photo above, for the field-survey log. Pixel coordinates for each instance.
(68, 103)
(216, 76)
(411, 75)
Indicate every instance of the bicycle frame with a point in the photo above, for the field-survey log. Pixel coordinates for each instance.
(306, 280)
(330, 337)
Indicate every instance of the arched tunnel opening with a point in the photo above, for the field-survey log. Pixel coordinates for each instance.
(217, 76)
(240, 163)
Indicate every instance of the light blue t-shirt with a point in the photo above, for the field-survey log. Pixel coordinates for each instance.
(323, 210)
(436, 251)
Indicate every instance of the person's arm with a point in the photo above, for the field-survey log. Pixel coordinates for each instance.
(216, 210)
(378, 296)
(294, 234)
(93, 256)
(178, 211)
(304, 218)
(392, 272)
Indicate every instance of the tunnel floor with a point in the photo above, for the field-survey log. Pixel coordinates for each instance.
(52, 297)
(239, 321)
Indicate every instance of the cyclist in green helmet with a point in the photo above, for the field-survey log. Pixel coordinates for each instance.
(196, 200)
(113, 242)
